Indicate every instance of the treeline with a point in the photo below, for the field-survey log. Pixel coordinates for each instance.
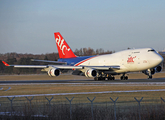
(90, 51)
(25, 59)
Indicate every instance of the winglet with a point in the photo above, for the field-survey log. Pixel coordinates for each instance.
(5, 63)
(63, 48)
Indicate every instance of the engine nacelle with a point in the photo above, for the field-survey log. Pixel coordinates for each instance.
(158, 69)
(153, 71)
(54, 72)
(91, 73)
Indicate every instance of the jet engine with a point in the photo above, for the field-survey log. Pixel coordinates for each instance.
(158, 69)
(153, 71)
(54, 72)
(90, 73)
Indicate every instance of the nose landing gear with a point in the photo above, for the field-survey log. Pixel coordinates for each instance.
(150, 77)
(150, 72)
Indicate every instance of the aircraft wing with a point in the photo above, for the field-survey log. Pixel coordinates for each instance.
(45, 66)
(65, 66)
(115, 67)
(48, 61)
(84, 67)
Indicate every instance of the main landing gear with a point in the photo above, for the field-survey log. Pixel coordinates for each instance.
(104, 77)
(123, 77)
(109, 77)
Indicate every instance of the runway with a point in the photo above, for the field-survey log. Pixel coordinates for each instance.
(83, 93)
(105, 87)
(135, 81)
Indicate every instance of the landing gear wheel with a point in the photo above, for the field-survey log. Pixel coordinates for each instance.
(124, 77)
(111, 78)
(149, 77)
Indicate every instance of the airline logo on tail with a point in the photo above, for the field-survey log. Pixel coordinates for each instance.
(61, 45)
(63, 48)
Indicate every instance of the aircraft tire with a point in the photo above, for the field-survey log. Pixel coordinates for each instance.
(111, 78)
(149, 77)
(126, 78)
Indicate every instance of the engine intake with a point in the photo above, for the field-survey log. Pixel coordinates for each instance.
(90, 73)
(158, 69)
(54, 72)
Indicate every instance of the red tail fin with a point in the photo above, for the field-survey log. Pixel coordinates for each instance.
(63, 48)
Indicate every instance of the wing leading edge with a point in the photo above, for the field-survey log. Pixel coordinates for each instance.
(44, 66)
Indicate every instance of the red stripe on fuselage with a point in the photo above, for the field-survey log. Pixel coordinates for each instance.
(83, 61)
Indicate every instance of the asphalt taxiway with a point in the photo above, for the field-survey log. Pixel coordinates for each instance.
(155, 80)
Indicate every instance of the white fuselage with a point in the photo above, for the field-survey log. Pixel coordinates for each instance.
(129, 60)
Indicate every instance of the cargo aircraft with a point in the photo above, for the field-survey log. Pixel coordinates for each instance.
(100, 67)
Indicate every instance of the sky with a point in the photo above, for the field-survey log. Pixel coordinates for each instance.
(28, 26)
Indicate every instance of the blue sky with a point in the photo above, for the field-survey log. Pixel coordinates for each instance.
(27, 26)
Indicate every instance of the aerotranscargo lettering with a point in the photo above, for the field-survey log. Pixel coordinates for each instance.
(61, 44)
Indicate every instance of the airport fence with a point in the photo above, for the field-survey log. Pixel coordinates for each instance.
(88, 108)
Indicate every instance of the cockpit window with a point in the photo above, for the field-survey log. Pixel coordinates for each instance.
(151, 50)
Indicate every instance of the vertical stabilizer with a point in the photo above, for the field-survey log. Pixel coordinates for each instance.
(63, 48)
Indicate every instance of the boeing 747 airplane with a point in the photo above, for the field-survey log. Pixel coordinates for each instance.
(101, 67)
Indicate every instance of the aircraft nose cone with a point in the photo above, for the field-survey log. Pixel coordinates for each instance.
(155, 60)
(159, 59)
